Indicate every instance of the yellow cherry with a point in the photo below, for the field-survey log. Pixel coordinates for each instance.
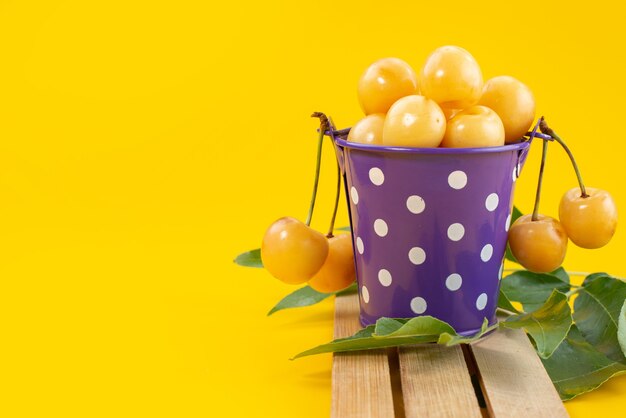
(293, 252)
(414, 121)
(513, 101)
(368, 130)
(476, 126)
(338, 270)
(540, 245)
(452, 78)
(590, 221)
(384, 82)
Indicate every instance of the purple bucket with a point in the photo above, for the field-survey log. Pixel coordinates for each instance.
(429, 228)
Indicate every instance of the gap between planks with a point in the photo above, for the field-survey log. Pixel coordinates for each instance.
(501, 373)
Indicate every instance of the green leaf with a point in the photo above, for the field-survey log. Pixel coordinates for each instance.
(395, 332)
(576, 367)
(531, 289)
(597, 312)
(385, 326)
(561, 274)
(250, 258)
(505, 303)
(621, 328)
(307, 296)
(348, 290)
(363, 340)
(548, 325)
(344, 228)
(514, 215)
(421, 326)
(455, 339)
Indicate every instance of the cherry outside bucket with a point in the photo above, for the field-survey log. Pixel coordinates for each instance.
(429, 228)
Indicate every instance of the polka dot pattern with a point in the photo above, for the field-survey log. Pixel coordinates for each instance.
(384, 277)
(417, 256)
(456, 232)
(481, 301)
(365, 294)
(418, 305)
(415, 204)
(457, 179)
(377, 177)
(381, 228)
(454, 281)
(354, 195)
(486, 252)
(491, 203)
(360, 247)
(429, 233)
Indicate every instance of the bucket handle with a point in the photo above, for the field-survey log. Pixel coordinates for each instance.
(339, 150)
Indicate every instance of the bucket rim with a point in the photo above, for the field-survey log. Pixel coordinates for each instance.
(516, 146)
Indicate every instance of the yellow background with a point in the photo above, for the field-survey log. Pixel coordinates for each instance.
(143, 144)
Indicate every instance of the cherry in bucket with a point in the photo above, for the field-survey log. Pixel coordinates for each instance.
(414, 121)
(476, 126)
(384, 82)
(513, 101)
(452, 78)
(368, 130)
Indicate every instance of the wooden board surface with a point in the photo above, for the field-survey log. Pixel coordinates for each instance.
(501, 373)
(436, 382)
(513, 379)
(361, 384)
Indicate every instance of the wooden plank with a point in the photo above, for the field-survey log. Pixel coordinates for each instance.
(436, 383)
(512, 378)
(361, 384)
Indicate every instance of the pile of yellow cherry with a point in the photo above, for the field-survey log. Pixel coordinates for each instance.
(449, 106)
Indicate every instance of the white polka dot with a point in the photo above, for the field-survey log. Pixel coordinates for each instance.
(417, 255)
(418, 305)
(377, 176)
(380, 227)
(365, 294)
(415, 204)
(359, 245)
(453, 281)
(355, 195)
(481, 302)
(457, 179)
(384, 277)
(491, 203)
(486, 253)
(514, 175)
(456, 232)
(501, 272)
(508, 223)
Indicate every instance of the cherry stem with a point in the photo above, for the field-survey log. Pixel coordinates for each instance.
(544, 153)
(324, 125)
(331, 228)
(547, 130)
